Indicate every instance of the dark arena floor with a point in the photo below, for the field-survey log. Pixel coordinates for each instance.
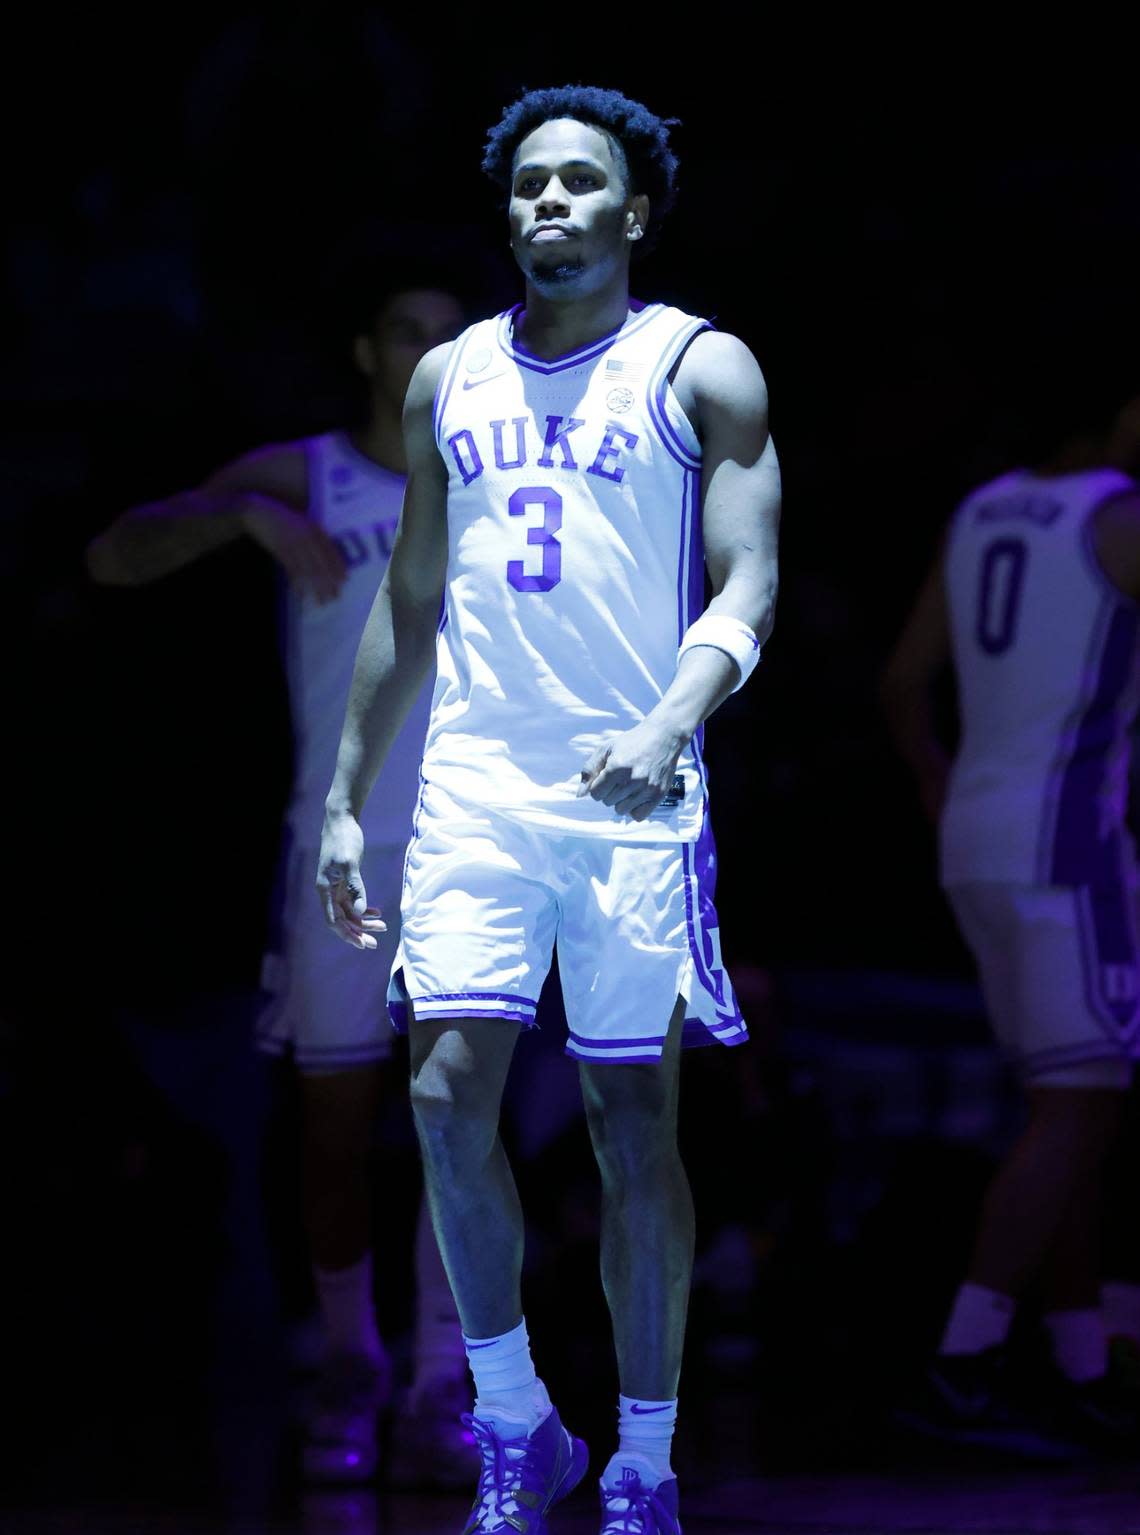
(231, 1473)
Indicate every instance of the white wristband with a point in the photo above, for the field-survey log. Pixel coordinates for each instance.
(731, 635)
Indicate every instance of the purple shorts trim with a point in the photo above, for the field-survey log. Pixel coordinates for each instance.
(477, 996)
(616, 1060)
(616, 1044)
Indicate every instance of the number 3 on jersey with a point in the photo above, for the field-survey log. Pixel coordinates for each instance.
(1000, 580)
(544, 535)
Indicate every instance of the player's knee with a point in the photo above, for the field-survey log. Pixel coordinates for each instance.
(451, 1116)
(632, 1137)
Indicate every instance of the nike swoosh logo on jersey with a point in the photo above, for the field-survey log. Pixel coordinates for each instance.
(473, 383)
(643, 1412)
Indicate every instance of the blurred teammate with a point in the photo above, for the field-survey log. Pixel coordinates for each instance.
(326, 510)
(1034, 599)
(561, 457)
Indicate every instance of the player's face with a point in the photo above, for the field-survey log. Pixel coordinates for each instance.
(573, 223)
(407, 327)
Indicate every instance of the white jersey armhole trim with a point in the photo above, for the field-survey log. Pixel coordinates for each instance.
(447, 381)
(670, 423)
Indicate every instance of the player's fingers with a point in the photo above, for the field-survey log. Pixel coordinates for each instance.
(633, 796)
(645, 806)
(612, 785)
(595, 763)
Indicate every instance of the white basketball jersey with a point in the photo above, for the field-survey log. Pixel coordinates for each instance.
(1045, 650)
(359, 503)
(575, 565)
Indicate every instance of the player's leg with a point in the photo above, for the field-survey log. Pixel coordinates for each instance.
(338, 1111)
(477, 935)
(1055, 1163)
(328, 1010)
(647, 1213)
(1028, 944)
(459, 1068)
(640, 962)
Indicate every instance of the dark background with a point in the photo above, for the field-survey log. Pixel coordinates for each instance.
(897, 224)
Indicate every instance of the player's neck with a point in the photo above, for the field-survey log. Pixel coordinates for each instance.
(381, 439)
(550, 328)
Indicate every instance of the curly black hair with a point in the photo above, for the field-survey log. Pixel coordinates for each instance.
(642, 137)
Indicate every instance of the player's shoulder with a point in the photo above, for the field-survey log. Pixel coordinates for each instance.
(428, 376)
(719, 369)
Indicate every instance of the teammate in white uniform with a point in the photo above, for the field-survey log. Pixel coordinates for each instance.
(327, 509)
(1034, 599)
(562, 458)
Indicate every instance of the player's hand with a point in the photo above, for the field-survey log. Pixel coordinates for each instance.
(304, 550)
(633, 772)
(341, 888)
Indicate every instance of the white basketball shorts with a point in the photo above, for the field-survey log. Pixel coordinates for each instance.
(1060, 975)
(487, 897)
(325, 1001)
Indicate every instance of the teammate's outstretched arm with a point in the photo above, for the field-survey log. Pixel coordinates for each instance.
(395, 653)
(722, 390)
(920, 655)
(264, 496)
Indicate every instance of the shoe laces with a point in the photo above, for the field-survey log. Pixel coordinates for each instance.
(634, 1509)
(510, 1484)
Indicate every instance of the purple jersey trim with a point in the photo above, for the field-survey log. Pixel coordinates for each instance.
(690, 589)
(447, 383)
(655, 394)
(1107, 938)
(1082, 853)
(525, 359)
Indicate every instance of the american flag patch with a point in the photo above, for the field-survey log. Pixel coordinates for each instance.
(628, 372)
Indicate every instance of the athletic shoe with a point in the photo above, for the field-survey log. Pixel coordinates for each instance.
(431, 1445)
(340, 1436)
(523, 1476)
(634, 1509)
(1101, 1414)
(963, 1399)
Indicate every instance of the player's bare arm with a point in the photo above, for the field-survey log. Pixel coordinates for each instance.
(395, 653)
(721, 389)
(263, 495)
(920, 655)
(1116, 539)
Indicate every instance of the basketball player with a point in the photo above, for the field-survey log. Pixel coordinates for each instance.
(326, 510)
(563, 457)
(1034, 598)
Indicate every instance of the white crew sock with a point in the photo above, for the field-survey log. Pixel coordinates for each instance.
(645, 1435)
(438, 1348)
(1120, 1307)
(506, 1387)
(979, 1319)
(345, 1300)
(1080, 1345)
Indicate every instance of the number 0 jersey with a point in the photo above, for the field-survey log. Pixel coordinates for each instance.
(575, 565)
(1045, 651)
